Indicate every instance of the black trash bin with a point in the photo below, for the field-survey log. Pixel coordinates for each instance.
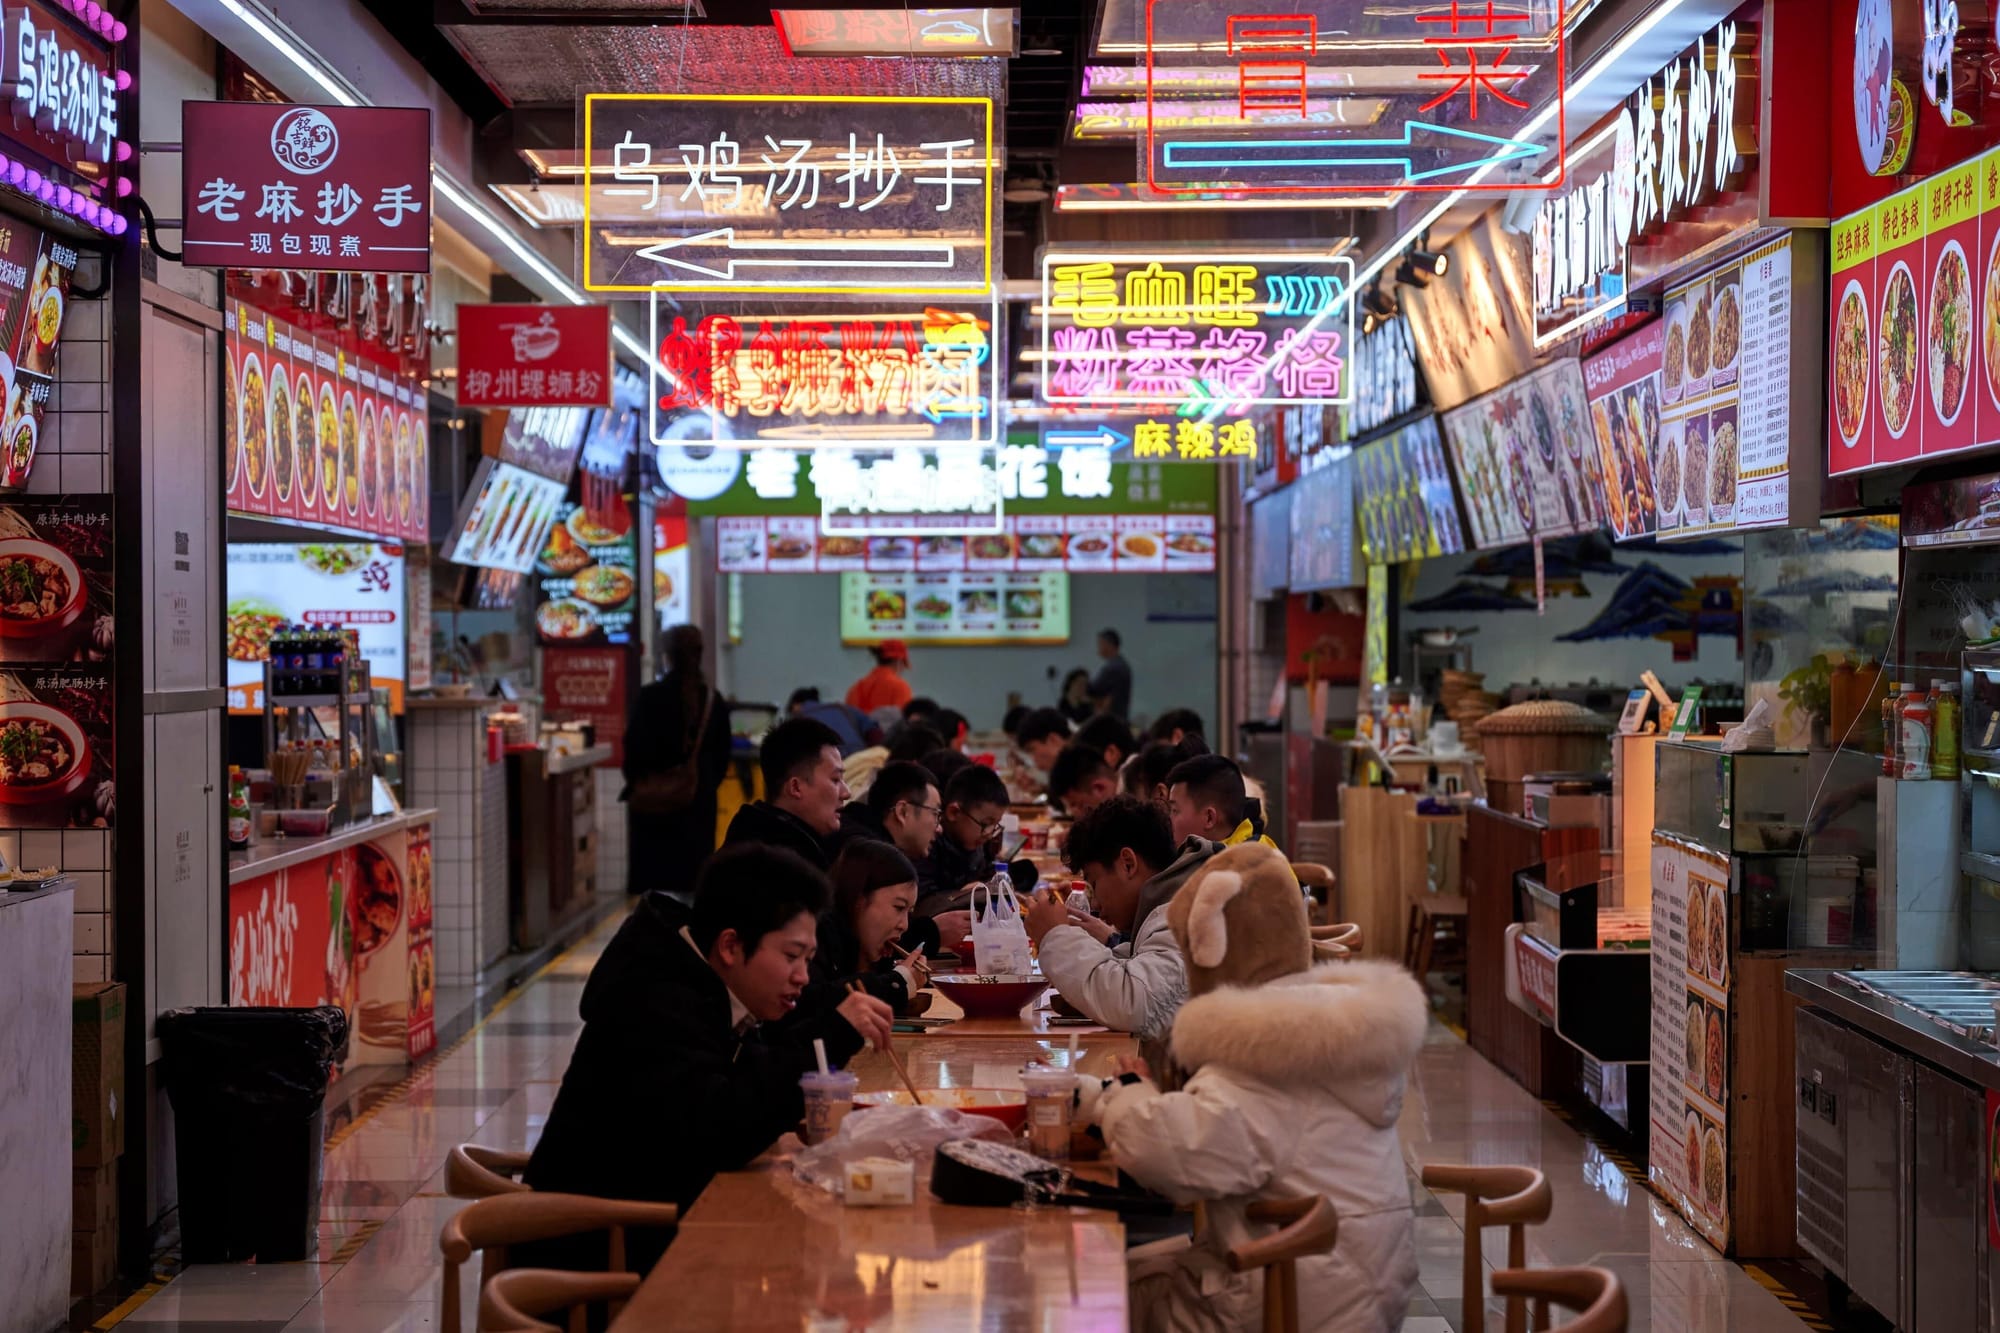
(248, 1088)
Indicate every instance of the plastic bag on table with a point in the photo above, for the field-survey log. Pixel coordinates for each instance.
(907, 1133)
(999, 936)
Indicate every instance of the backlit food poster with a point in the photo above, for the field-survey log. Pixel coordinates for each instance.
(586, 579)
(56, 666)
(1404, 499)
(332, 585)
(1623, 387)
(1029, 543)
(315, 435)
(1688, 1160)
(963, 608)
(1323, 541)
(1914, 363)
(1725, 433)
(507, 514)
(1527, 461)
(35, 271)
(670, 570)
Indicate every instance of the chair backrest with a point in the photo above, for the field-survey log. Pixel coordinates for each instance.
(1510, 1196)
(516, 1300)
(475, 1172)
(1306, 1226)
(1595, 1293)
(489, 1226)
(1336, 941)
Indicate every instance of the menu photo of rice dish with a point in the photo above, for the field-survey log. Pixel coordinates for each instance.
(1722, 465)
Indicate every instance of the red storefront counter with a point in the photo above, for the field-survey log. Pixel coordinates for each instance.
(346, 920)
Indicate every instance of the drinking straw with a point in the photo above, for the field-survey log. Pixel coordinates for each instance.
(819, 1050)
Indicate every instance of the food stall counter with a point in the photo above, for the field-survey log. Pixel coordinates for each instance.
(346, 919)
(552, 839)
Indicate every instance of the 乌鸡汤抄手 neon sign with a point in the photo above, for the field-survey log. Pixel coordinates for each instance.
(783, 194)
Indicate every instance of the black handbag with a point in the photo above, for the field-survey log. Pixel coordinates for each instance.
(983, 1174)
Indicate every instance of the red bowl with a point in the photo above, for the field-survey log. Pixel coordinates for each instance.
(989, 997)
(1007, 1105)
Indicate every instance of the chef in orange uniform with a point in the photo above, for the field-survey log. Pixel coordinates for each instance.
(885, 684)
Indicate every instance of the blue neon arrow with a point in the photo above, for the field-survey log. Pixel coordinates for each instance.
(1103, 435)
(1209, 154)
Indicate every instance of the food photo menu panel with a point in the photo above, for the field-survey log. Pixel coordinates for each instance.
(1914, 355)
(1726, 425)
(1029, 543)
(1688, 1159)
(955, 608)
(1526, 459)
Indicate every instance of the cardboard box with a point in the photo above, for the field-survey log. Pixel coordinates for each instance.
(93, 1260)
(97, 1072)
(94, 1197)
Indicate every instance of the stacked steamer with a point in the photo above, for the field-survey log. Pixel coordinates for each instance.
(1464, 700)
(1540, 736)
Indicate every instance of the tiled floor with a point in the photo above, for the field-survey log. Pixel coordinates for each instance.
(384, 1199)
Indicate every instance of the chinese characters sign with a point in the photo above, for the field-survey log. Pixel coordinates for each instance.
(534, 356)
(929, 376)
(272, 185)
(61, 81)
(588, 685)
(1174, 331)
(780, 193)
(1156, 438)
(1580, 236)
(1385, 378)
(1464, 102)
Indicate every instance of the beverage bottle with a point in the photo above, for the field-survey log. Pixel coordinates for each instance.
(1916, 735)
(1944, 730)
(1079, 897)
(1892, 731)
(239, 810)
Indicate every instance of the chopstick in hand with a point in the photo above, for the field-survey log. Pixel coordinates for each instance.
(903, 1073)
(918, 963)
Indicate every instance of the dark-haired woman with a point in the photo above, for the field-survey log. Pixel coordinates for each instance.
(874, 888)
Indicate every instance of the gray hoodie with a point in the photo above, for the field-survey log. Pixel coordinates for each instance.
(1140, 985)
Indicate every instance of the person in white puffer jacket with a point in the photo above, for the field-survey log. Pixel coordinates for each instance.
(1296, 1081)
(1122, 966)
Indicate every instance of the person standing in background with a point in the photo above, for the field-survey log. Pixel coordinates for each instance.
(1111, 687)
(676, 752)
(884, 686)
(1075, 702)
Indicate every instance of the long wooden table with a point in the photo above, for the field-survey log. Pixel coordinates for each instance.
(763, 1253)
(1028, 1023)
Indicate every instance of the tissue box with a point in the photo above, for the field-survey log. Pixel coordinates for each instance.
(874, 1182)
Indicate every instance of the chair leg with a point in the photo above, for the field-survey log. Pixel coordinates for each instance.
(1426, 940)
(1517, 1248)
(1473, 1288)
(1410, 930)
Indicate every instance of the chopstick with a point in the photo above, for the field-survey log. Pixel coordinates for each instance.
(916, 1098)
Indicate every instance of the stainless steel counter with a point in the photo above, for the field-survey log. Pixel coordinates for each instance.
(273, 854)
(1898, 1025)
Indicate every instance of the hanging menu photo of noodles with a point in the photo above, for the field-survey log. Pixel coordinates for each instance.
(56, 663)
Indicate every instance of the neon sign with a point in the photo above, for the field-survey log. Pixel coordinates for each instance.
(919, 376)
(1187, 331)
(1155, 439)
(1481, 67)
(1688, 147)
(784, 193)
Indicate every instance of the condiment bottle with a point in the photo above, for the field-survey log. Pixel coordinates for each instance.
(239, 810)
(1944, 730)
(1916, 735)
(1892, 731)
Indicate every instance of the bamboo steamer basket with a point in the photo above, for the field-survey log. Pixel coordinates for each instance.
(1543, 736)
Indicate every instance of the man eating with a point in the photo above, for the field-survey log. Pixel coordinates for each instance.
(975, 801)
(1207, 799)
(1041, 737)
(673, 1078)
(803, 792)
(1134, 980)
(1081, 780)
(904, 809)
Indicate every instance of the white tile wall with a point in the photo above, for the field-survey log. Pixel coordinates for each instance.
(613, 860)
(448, 770)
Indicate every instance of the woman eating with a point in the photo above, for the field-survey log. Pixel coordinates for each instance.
(874, 888)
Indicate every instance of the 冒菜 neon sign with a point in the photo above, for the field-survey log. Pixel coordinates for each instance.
(1189, 331)
(1450, 124)
(924, 375)
(781, 193)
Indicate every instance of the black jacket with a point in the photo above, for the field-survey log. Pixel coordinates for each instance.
(760, 821)
(950, 868)
(857, 821)
(661, 1093)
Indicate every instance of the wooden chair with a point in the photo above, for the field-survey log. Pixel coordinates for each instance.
(1337, 941)
(1319, 881)
(1435, 891)
(516, 1300)
(1596, 1293)
(488, 1226)
(473, 1172)
(1307, 1226)
(1495, 1196)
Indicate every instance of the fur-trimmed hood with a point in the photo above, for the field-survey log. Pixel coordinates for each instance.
(1350, 1027)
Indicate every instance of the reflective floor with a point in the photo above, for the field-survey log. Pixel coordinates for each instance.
(384, 1199)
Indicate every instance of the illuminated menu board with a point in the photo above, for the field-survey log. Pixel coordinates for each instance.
(1404, 499)
(962, 608)
(1526, 459)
